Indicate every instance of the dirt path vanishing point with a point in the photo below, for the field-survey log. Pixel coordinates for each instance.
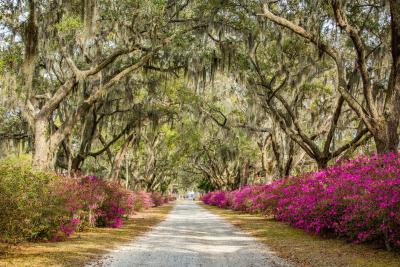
(191, 236)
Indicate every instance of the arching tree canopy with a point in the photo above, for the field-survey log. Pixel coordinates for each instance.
(171, 94)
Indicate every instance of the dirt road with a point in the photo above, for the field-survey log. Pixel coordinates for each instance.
(191, 236)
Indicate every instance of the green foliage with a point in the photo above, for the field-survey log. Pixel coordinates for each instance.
(205, 185)
(28, 210)
(10, 59)
(3, 65)
(317, 87)
(69, 23)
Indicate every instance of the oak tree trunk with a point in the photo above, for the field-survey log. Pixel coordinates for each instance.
(42, 154)
(386, 138)
(117, 164)
(321, 163)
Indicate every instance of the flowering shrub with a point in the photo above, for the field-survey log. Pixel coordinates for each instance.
(69, 227)
(169, 198)
(119, 203)
(96, 202)
(35, 205)
(219, 199)
(142, 200)
(83, 197)
(158, 199)
(357, 199)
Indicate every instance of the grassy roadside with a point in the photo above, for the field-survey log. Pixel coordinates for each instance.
(82, 247)
(304, 249)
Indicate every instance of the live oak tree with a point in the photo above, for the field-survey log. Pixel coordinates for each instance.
(276, 67)
(369, 31)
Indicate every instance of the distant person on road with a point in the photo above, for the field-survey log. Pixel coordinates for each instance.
(191, 195)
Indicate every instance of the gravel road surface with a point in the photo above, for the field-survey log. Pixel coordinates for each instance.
(191, 236)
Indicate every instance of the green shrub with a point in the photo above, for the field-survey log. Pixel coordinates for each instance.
(28, 209)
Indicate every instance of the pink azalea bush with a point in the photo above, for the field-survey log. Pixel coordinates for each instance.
(142, 201)
(83, 197)
(96, 202)
(69, 227)
(158, 199)
(356, 199)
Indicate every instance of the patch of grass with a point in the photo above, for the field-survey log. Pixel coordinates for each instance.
(82, 247)
(304, 249)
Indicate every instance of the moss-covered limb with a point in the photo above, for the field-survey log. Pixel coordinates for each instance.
(82, 247)
(304, 249)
